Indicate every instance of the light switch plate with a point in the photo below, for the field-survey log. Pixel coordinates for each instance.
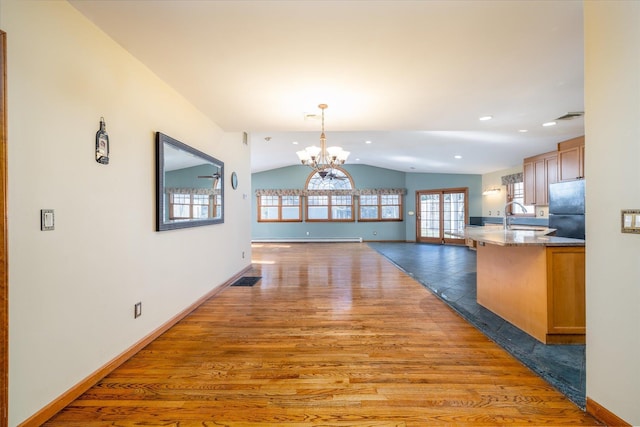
(630, 221)
(47, 220)
(137, 310)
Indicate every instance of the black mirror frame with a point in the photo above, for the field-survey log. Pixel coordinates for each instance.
(162, 139)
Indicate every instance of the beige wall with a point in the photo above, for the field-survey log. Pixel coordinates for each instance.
(612, 130)
(493, 204)
(72, 290)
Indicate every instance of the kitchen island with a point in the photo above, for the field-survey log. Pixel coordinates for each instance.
(533, 280)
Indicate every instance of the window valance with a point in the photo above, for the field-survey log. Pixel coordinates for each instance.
(200, 191)
(350, 192)
(512, 179)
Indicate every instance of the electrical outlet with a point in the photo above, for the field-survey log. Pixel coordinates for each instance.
(137, 310)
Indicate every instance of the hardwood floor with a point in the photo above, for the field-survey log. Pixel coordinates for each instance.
(333, 335)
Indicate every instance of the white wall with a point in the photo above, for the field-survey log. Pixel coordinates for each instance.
(72, 290)
(612, 130)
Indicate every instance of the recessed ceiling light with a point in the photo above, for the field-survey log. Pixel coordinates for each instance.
(523, 130)
(357, 159)
(295, 142)
(367, 142)
(457, 156)
(485, 118)
(549, 124)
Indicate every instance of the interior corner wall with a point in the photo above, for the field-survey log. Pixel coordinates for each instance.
(612, 107)
(72, 290)
(493, 204)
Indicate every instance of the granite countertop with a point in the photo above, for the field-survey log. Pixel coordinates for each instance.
(519, 237)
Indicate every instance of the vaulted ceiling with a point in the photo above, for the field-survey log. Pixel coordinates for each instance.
(411, 77)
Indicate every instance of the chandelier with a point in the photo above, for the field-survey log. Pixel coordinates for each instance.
(321, 158)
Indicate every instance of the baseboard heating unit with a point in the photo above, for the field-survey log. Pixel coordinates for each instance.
(310, 240)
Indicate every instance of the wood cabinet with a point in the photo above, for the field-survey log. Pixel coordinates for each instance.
(541, 290)
(571, 159)
(565, 164)
(471, 244)
(565, 292)
(538, 172)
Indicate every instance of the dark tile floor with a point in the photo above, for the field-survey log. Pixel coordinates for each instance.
(450, 273)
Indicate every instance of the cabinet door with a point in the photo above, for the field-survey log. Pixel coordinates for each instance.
(552, 170)
(582, 174)
(551, 175)
(538, 172)
(541, 182)
(566, 290)
(529, 178)
(569, 164)
(571, 159)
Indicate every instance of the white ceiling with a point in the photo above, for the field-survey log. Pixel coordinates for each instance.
(412, 77)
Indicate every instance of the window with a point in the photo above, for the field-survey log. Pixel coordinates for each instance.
(200, 203)
(342, 208)
(383, 207)
(515, 193)
(279, 208)
(217, 206)
(322, 205)
(329, 196)
(318, 207)
(192, 206)
(334, 179)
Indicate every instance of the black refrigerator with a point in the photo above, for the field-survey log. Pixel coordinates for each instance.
(566, 208)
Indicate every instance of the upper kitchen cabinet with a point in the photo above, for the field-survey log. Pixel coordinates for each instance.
(571, 159)
(537, 173)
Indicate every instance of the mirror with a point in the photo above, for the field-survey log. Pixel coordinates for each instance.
(189, 186)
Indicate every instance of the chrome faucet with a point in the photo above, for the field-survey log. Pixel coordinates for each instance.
(506, 222)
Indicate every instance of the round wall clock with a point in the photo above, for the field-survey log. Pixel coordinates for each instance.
(234, 180)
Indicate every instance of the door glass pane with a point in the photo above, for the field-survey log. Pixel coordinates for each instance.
(454, 209)
(430, 215)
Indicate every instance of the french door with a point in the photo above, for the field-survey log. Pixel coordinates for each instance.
(442, 215)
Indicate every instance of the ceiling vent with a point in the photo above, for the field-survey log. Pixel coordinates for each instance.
(571, 115)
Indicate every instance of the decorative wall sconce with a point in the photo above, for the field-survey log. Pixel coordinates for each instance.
(491, 190)
(102, 144)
